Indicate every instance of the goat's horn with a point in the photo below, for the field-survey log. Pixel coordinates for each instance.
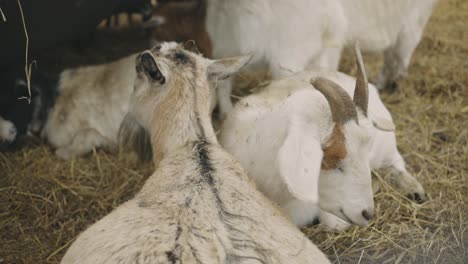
(341, 104)
(361, 91)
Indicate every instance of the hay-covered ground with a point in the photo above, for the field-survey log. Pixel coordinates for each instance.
(46, 202)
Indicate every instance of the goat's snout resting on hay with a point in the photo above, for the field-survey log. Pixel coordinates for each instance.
(312, 150)
(289, 36)
(91, 104)
(199, 206)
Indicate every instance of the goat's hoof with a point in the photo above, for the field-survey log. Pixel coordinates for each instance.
(417, 197)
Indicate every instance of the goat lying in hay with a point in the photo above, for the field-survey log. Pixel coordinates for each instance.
(91, 104)
(288, 138)
(199, 206)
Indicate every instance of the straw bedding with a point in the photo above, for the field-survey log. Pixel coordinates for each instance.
(46, 202)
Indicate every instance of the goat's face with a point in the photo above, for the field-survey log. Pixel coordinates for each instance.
(345, 182)
(345, 186)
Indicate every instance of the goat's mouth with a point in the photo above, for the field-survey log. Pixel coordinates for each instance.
(345, 217)
(341, 215)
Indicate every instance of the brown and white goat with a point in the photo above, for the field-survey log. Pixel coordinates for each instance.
(312, 150)
(199, 206)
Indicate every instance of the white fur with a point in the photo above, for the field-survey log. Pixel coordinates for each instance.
(92, 103)
(392, 26)
(289, 36)
(7, 131)
(287, 124)
(284, 36)
(199, 206)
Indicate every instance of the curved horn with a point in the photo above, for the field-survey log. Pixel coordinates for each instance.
(341, 105)
(361, 91)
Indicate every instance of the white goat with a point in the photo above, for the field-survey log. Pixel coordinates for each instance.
(290, 36)
(287, 136)
(92, 103)
(199, 206)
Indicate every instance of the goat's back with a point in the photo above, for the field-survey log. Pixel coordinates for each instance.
(198, 207)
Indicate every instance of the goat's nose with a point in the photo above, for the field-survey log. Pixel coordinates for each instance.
(368, 214)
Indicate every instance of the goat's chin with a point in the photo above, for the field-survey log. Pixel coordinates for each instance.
(333, 222)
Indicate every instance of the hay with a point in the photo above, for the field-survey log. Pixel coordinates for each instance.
(45, 202)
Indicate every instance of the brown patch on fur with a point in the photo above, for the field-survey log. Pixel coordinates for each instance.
(334, 150)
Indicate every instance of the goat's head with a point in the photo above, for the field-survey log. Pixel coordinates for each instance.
(345, 186)
(171, 88)
(24, 116)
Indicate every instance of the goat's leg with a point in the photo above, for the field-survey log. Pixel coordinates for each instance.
(385, 155)
(328, 60)
(83, 142)
(397, 58)
(406, 183)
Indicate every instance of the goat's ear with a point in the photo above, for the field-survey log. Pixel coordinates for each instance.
(299, 160)
(383, 124)
(133, 135)
(224, 68)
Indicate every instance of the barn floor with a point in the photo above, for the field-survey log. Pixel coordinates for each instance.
(46, 202)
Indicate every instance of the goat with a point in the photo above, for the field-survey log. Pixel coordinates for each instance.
(22, 113)
(198, 206)
(289, 36)
(288, 138)
(91, 104)
(180, 21)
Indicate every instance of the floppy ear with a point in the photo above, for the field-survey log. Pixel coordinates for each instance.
(383, 124)
(224, 68)
(299, 160)
(133, 135)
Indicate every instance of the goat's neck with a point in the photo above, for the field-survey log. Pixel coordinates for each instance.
(182, 119)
